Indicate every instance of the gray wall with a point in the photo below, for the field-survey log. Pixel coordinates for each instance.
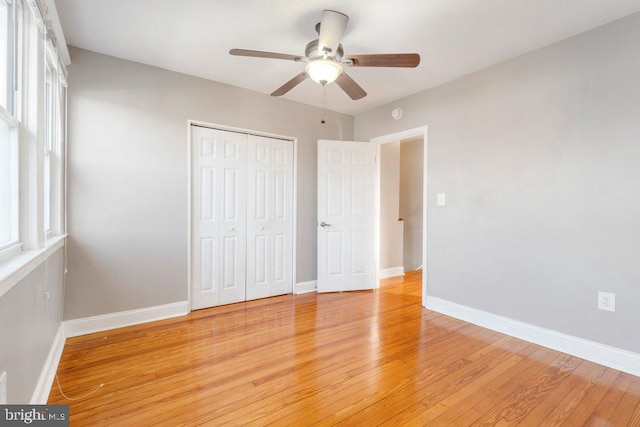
(540, 160)
(28, 324)
(390, 227)
(411, 199)
(127, 213)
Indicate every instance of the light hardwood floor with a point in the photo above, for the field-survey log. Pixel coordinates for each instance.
(355, 359)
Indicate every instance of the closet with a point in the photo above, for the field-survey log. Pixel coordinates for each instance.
(241, 216)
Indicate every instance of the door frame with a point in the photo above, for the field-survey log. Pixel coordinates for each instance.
(405, 135)
(190, 189)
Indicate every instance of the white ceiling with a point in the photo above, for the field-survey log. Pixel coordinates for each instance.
(453, 37)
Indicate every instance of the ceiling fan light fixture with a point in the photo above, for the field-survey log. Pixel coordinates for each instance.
(325, 58)
(324, 71)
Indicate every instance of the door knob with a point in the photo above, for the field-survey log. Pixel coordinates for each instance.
(261, 228)
(324, 224)
(232, 229)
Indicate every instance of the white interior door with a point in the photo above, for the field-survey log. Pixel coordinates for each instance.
(269, 217)
(346, 172)
(218, 244)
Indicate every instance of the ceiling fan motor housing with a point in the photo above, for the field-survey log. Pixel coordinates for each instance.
(312, 52)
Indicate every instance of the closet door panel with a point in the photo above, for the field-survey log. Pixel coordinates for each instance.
(259, 194)
(232, 213)
(269, 217)
(218, 248)
(204, 218)
(282, 217)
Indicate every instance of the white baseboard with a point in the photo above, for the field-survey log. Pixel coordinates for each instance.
(391, 272)
(88, 325)
(48, 373)
(602, 354)
(306, 287)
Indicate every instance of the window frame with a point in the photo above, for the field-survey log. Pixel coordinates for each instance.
(54, 142)
(38, 133)
(10, 115)
(14, 244)
(49, 113)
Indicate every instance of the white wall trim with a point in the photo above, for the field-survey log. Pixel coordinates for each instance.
(306, 287)
(391, 272)
(602, 354)
(104, 322)
(61, 43)
(48, 373)
(405, 135)
(189, 209)
(294, 217)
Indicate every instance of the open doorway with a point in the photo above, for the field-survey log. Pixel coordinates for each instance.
(401, 182)
(401, 199)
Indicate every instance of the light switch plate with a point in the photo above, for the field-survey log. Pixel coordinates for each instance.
(442, 199)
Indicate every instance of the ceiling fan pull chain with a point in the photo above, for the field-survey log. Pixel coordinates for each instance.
(324, 104)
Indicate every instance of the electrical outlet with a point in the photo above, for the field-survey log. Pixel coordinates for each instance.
(606, 301)
(3, 388)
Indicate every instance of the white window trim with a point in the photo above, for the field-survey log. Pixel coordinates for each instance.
(17, 260)
(9, 114)
(8, 117)
(11, 53)
(18, 267)
(11, 250)
(54, 149)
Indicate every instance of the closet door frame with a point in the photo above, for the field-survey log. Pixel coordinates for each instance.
(294, 140)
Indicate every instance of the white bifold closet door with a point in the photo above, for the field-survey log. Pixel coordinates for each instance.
(242, 225)
(218, 243)
(269, 217)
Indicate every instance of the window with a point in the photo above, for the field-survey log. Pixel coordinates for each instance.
(53, 145)
(48, 145)
(6, 54)
(9, 197)
(10, 54)
(32, 130)
(9, 127)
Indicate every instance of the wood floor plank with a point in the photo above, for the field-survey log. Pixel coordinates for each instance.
(541, 411)
(579, 401)
(496, 391)
(610, 401)
(430, 413)
(358, 358)
(431, 392)
(522, 401)
(628, 406)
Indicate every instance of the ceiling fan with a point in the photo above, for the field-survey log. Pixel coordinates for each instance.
(325, 58)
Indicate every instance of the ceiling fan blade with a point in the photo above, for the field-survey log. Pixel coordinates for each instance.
(332, 28)
(261, 54)
(407, 60)
(290, 84)
(350, 86)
